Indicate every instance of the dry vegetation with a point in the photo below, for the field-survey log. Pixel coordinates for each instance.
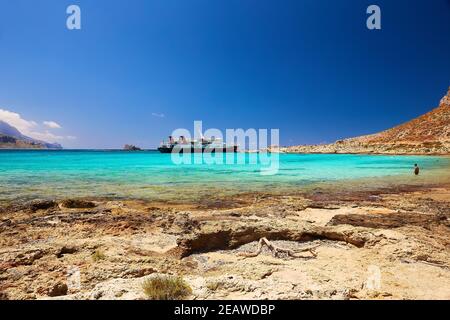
(166, 288)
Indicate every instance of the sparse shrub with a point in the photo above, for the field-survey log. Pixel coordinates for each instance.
(98, 255)
(166, 288)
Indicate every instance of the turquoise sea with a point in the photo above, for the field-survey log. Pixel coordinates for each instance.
(33, 174)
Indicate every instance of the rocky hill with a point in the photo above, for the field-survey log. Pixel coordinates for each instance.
(427, 134)
(11, 138)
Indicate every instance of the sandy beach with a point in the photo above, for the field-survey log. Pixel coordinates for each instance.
(390, 243)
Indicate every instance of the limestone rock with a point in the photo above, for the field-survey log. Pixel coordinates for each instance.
(59, 289)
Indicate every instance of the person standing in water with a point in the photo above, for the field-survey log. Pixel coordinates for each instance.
(416, 169)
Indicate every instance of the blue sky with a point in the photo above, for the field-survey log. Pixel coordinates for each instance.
(310, 68)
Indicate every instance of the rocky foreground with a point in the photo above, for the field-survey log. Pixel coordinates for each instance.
(427, 134)
(384, 244)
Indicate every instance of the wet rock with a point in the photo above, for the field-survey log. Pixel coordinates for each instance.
(36, 205)
(77, 204)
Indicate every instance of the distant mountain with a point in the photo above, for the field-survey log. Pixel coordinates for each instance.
(427, 134)
(9, 130)
(11, 138)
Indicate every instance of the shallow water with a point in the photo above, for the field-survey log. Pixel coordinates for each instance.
(30, 174)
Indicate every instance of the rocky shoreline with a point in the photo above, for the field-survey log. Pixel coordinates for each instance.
(428, 134)
(356, 147)
(379, 244)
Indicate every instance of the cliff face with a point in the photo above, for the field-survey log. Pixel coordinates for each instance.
(11, 138)
(427, 134)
